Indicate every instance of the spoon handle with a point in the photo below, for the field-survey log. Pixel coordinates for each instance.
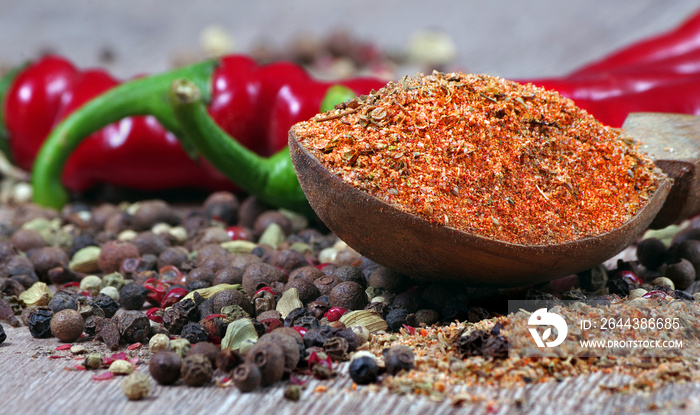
(673, 140)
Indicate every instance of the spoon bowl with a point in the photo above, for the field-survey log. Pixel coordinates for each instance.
(422, 250)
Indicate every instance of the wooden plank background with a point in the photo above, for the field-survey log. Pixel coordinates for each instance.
(33, 383)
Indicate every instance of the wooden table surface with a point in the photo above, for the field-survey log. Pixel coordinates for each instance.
(33, 383)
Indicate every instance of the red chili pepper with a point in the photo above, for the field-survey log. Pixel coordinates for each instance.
(102, 132)
(156, 290)
(266, 288)
(155, 314)
(135, 152)
(301, 330)
(173, 296)
(677, 41)
(335, 313)
(171, 274)
(630, 277)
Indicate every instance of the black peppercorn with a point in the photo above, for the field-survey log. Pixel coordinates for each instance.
(132, 296)
(396, 319)
(196, 370)
(398, 358)
(295, 314)
(108, 330)
(593, 279)
(246, 377)
(427, 317)
(107, 304)
(364, 370)
(573, 295)
(351, 337)
(194, 333)
(651, 253)
(63, 300)
(336, 347)
(682, 295)
(134, 327)
(409, 300)
(307, 322)
(174, 319)
(3, 336)
(619, 287)
(40, 323)
(269, 358)
(316, 337)
(165, 367)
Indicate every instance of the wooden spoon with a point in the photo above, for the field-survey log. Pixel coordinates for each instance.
(415, 247)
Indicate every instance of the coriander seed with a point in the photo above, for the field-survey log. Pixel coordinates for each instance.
(136, 386)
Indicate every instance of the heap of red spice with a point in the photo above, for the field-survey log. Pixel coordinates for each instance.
(485, 155)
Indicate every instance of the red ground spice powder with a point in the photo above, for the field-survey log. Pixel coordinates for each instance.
(485, 155)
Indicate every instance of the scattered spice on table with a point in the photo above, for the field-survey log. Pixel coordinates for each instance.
(485, 155)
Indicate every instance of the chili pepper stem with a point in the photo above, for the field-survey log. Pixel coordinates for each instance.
(141, 96)
(271, 179)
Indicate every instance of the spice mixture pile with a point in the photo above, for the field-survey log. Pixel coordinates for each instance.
(487, 156)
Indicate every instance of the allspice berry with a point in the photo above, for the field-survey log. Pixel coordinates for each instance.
(349, 295)
(682, 273)
(206, 349)
(231, 297)
(228, 359)
(307, 290)
(113, 253)
(165, 367)
(270, 360)
(260, 275)
(326, 284)
(196, 370)
(67, 325)
(222, 206)
(290, 348)
(136, 386)
(246, 377)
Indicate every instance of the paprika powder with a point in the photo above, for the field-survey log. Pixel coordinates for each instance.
(487, 156)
